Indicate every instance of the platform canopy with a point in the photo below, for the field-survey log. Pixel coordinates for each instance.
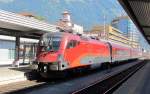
(139, 12)
(13, 24)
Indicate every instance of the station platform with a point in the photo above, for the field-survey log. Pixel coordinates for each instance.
(139, 83)
(14, 74)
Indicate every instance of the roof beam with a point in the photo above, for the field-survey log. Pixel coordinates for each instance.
(125, 4)
(8, 32)
(145, 26)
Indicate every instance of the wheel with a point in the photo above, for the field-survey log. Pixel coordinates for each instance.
(106, 66)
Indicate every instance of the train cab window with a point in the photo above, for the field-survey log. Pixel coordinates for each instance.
(72, 44)
(50, 43)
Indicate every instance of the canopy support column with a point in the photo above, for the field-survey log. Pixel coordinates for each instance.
(17, 47)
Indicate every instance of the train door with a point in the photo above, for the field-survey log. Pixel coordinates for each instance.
(72, 52)
(110, 51)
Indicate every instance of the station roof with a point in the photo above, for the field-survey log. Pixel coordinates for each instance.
(13, 24)
(139, 12)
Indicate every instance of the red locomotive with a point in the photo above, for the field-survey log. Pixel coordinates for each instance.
(60, 51)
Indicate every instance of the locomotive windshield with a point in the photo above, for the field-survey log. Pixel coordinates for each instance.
(50, 43)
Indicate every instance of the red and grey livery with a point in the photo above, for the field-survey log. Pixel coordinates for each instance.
(62, 51)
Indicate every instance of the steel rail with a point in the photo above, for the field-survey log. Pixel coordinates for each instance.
(110, 83)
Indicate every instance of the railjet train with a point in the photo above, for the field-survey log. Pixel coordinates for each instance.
(59, 52)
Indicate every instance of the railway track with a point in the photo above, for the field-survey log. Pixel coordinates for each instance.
(110, 83)
(99, 82)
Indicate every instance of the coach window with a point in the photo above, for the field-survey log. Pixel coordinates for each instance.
(72, 44)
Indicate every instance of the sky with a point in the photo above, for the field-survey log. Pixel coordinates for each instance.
(81, 10)
(87, 13)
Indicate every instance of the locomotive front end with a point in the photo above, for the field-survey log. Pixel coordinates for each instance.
(50, 53)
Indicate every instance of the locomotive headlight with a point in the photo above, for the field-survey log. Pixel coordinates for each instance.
(45, 68)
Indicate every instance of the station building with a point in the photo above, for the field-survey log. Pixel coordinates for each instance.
(7, 50)
(125, 25)
(111, 33)
(66, 24)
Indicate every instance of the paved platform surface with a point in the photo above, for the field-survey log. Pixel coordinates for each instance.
(7, 88)
(13, 74)
(139, 83)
